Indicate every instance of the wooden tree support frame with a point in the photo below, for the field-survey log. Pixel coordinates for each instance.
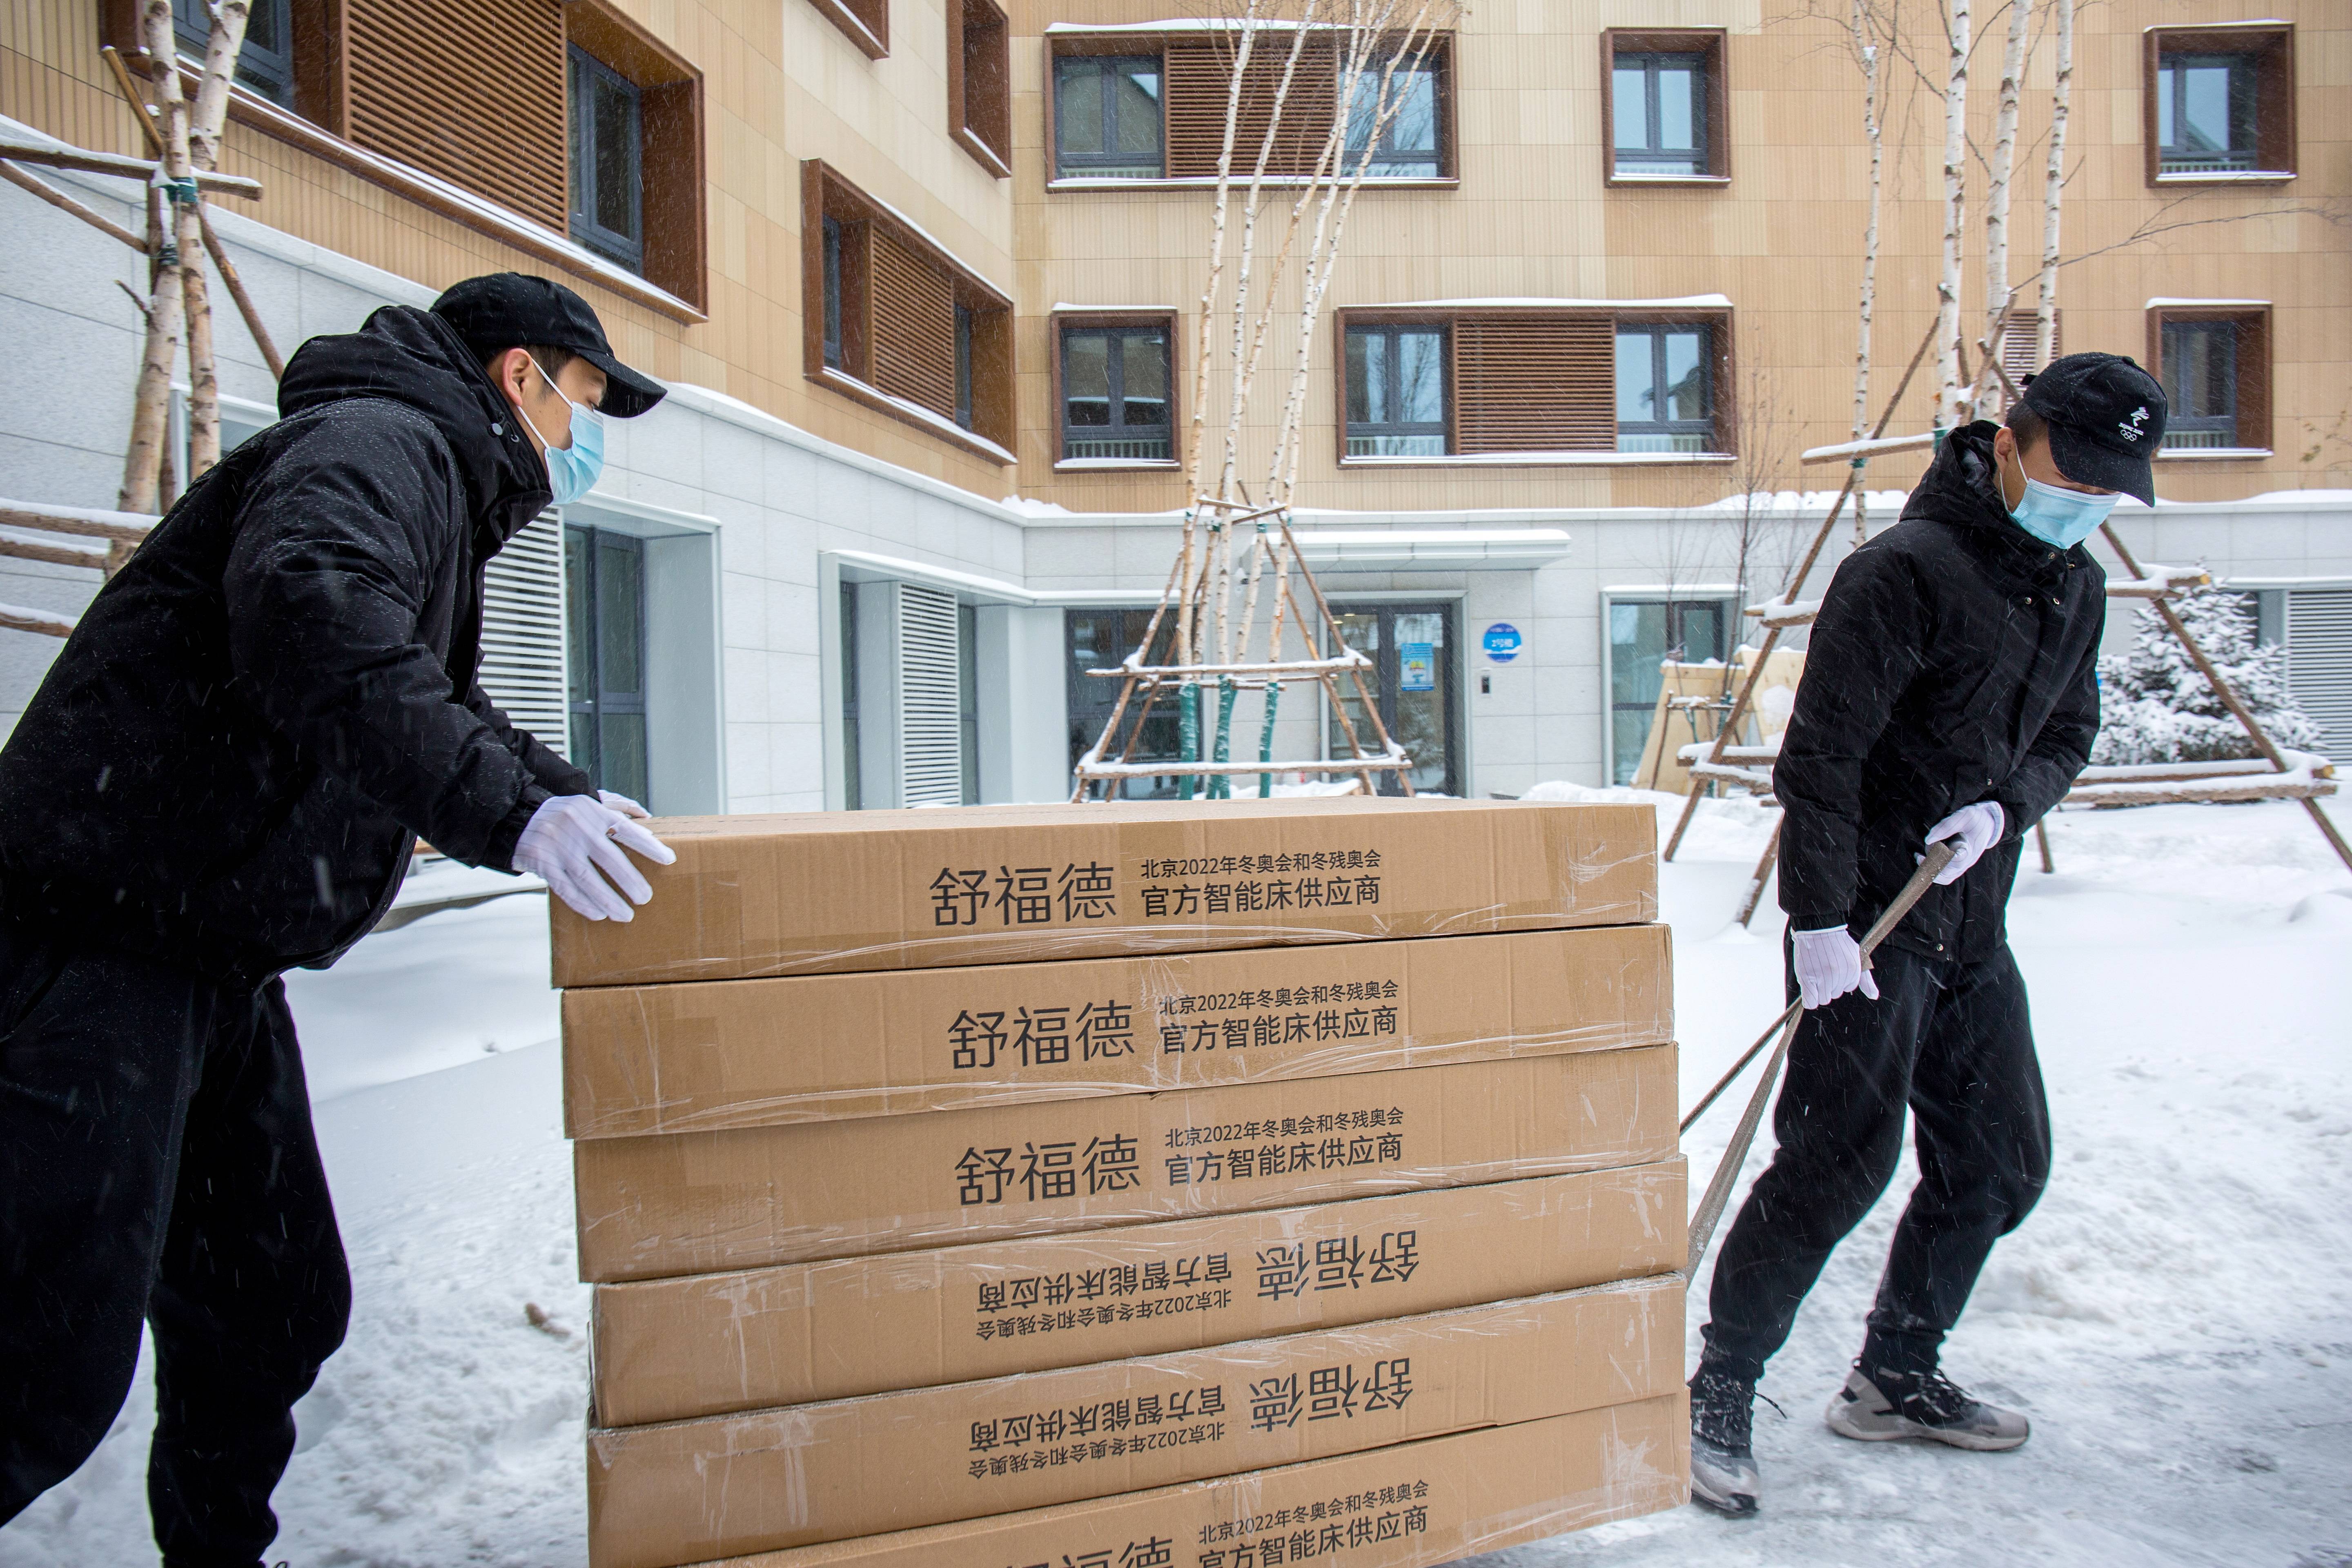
(118, 533)
(2274, 775)
(1275, 552)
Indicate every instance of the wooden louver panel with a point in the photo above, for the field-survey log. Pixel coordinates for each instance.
(471, 90)
(914, 326)
(1199, 83)
(1532, 384)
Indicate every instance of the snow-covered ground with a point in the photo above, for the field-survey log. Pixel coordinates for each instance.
(2177, 1316)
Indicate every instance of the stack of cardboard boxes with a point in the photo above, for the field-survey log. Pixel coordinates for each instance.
(1135, 1187)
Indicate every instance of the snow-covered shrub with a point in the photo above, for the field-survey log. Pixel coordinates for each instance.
(2155, 706)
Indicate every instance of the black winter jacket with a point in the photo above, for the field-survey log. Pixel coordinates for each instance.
(1954, 661)
(226, 765)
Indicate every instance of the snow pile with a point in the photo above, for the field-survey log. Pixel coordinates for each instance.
(2172, 1317)
(2155, 706)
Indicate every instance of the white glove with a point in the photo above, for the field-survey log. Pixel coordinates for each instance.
(1829, 965)
(1976, 828)
(624, 805)
(570, 838)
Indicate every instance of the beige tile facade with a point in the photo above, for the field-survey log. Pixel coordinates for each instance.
(1530, 216)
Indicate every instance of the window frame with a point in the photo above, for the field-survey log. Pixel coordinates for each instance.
(2270, 47)
(1063, 48)
(1722, 370)
(1388, 327)
(865, 23)
(980, 101)
(1121, 322)
(1713, 105)
(583, 75)
(1124, 51)
(2251, 390)
(827, 195)
(1711, 367)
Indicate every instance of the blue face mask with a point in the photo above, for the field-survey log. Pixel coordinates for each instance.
(2060, 517)
(573, 471)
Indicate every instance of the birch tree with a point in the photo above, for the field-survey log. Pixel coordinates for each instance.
(178, 306)
(1952, 401)
(1997, 193)
(1863, 26)
(2054, 187)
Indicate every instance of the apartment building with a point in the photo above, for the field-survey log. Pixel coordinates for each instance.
(925, 277)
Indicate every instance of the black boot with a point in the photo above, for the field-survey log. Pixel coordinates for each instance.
(1723, 1460)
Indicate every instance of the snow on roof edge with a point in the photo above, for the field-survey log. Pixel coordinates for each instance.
(1534, 302)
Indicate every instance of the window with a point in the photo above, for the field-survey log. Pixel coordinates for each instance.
(980, 83)
(1666, 106)
(1122, 113)
(607, 150)
(1409, 146)
(833, 310)
(604, 593)
(1116, 381)
(2205, 113)
(2214, 363)
(898, 324)
(265, 63)
(1535, 383)
(1644, 635)
(963, 365)
(866, 23)
(1664, 389)
(1107, 122)
(1396, 392)
(2219, 104)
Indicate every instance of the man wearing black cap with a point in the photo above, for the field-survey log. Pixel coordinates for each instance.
(1950, 692)
(221, 778)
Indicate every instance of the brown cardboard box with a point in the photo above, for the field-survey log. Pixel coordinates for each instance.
(1414, 1506)
(745, 1053)
(696, 1203)
(671, 1349)
(690, 1490)
(834, 892)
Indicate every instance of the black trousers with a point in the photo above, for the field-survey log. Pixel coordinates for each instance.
(1953, 1041)
(157, 1161)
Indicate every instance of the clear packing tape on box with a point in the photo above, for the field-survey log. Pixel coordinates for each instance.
(688, 1491)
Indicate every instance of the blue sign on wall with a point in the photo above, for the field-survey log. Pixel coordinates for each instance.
(1502, 640)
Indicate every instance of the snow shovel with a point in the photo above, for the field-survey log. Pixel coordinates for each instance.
(1718, 1191)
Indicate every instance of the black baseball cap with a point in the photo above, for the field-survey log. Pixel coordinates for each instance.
(509, 310)
(2106, 419)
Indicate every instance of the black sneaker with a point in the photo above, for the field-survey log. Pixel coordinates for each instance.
(1879, 1407)
(1723, 1461)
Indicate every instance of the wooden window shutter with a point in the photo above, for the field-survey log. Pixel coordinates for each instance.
(914, 326)
(472, 90)
(1535, 384)
(1199, 76)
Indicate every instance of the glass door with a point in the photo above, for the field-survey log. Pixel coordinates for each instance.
(1101, 639)
(605, 594)
(1643, 634)
(1411, 648)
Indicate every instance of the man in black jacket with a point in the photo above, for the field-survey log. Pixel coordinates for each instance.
(1950, 692)
(221, 778)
